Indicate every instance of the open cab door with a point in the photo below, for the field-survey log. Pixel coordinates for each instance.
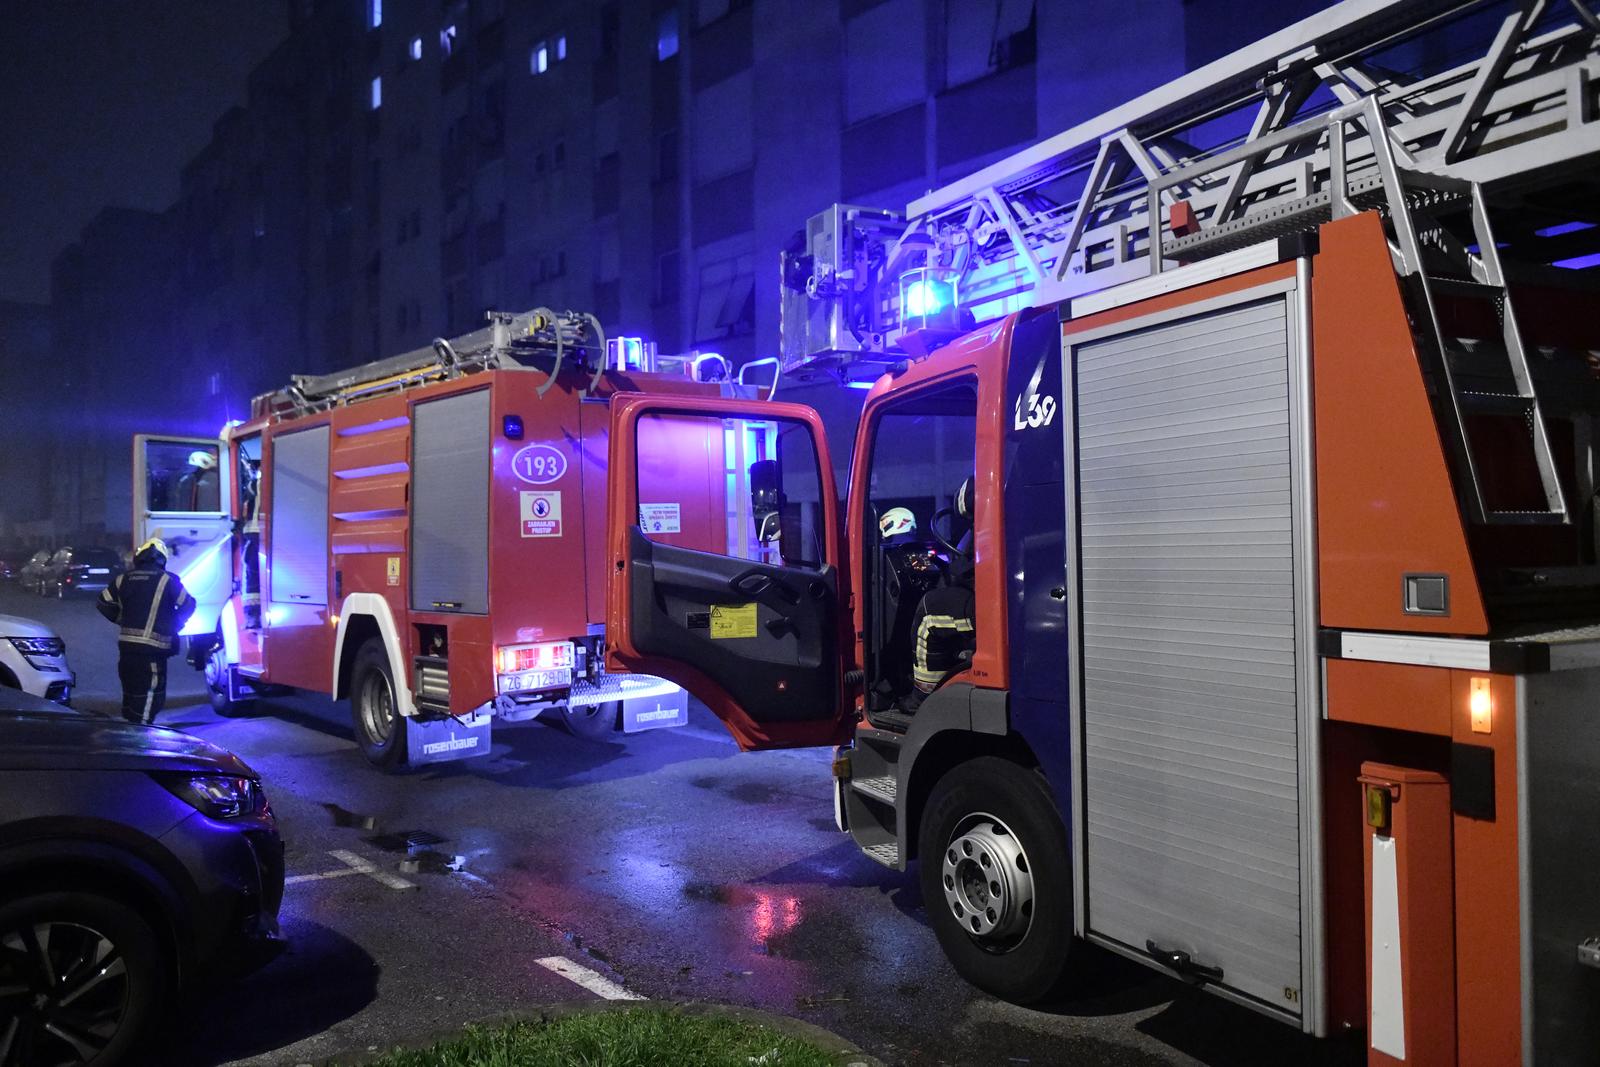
(723, 535)
(180, 494)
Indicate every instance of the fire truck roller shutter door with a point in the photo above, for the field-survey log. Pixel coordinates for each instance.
(299, 552)
(450, 504)
(1189, 644)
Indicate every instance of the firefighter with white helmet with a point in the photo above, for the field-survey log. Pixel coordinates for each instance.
(150, 605)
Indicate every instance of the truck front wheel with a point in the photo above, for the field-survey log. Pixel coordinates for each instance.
(375, 708)
(216, 674)
(997, 878)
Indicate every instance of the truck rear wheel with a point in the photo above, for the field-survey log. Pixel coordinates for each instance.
(997, 878)
(592, 722)
(375, 707)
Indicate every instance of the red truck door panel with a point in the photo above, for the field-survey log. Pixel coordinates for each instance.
(734, 595)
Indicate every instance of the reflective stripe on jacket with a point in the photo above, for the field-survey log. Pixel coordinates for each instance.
(150, 605)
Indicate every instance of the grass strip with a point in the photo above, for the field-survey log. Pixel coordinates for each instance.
(637, 1037)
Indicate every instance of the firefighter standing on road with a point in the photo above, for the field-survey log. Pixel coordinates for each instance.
(151, 606)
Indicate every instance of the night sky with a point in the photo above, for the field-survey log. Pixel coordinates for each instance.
(102, 102)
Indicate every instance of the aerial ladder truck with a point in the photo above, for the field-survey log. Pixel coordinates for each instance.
(1277, 390)
(424, 535)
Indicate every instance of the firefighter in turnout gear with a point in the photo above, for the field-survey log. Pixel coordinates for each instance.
(942, 633)
(150, 605)
(249, 531)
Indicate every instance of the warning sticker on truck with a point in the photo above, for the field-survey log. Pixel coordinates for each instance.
(732, 620)
(541, 514)
(659, 518)
(393, 570)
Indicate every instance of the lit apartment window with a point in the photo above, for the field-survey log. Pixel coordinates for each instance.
(374, 14)
(561, 48)
(539, 62)
(667, 34)
(377, 93)
(416, 48)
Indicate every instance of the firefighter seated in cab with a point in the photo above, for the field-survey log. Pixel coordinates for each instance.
(150, 605)
(936, 641)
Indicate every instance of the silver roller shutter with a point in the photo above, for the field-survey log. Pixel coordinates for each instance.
(1188, 629)
(298, 550)
(450, 504)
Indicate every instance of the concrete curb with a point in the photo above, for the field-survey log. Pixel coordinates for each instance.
(845, 1053)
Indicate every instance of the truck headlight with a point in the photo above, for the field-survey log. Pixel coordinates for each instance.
(219, 796)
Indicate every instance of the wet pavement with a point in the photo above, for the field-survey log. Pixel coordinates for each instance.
(667, 864)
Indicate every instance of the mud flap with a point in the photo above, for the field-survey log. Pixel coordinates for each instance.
(655, 711)
(443, 739)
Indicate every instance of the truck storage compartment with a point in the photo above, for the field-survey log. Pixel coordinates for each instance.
(450, 504)
(1189, 666)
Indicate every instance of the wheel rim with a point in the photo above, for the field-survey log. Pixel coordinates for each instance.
(216, 668)
(64, 993)
(377, 707)
(988, 882)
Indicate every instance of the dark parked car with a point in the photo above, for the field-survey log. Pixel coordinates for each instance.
(81, 570)
(32, 574)
(10, 564)
(134, 861)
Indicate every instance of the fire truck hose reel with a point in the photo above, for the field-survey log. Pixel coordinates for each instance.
(988, 883)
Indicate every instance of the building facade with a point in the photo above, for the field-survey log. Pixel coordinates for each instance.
(401, 166)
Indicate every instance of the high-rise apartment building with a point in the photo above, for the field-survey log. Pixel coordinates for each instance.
(400, 166)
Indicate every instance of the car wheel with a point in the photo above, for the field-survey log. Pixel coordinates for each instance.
(375, 707)
(592, 722)
(997, 879)
(216, 674)
(81, 977)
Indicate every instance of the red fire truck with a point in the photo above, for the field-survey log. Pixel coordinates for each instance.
(423, 535)
(1279, 389)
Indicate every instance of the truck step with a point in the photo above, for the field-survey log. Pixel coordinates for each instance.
(880, 788)
(887, 854)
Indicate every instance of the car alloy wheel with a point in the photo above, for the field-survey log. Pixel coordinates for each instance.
(64, 993)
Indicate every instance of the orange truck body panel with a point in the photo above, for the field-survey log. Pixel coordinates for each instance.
(1386, 506)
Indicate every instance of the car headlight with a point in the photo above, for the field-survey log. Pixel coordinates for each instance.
(219, 796)
(38, 646)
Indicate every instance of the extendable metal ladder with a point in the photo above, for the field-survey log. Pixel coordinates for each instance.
(1317, 121)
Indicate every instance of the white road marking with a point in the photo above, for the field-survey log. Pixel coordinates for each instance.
(340, 873)
(353, 864)
(393, 881)
(593, 981)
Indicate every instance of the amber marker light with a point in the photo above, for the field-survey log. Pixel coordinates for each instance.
(1480, 705)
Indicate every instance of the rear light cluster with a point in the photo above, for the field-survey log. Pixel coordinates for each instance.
(545, 656)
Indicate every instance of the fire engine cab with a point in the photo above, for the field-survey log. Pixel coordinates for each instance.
(423, 535)
(1278, 390)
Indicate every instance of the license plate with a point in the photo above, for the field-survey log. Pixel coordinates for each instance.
(532, 681)
(99, 570)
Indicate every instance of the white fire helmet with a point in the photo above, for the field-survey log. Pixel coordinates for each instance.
(897, 522)
(201, 459)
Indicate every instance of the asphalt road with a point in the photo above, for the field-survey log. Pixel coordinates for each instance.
(665, 864)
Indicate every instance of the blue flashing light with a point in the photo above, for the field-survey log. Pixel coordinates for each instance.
(860, 385)
(230, 424)
(926, 298)
(1579, 262)
(1565, 227)
(511, 427)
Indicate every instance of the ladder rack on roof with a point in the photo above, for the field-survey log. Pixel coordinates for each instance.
(496, 345)
(1082, 211)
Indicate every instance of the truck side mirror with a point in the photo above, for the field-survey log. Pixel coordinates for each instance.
(766, 499)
